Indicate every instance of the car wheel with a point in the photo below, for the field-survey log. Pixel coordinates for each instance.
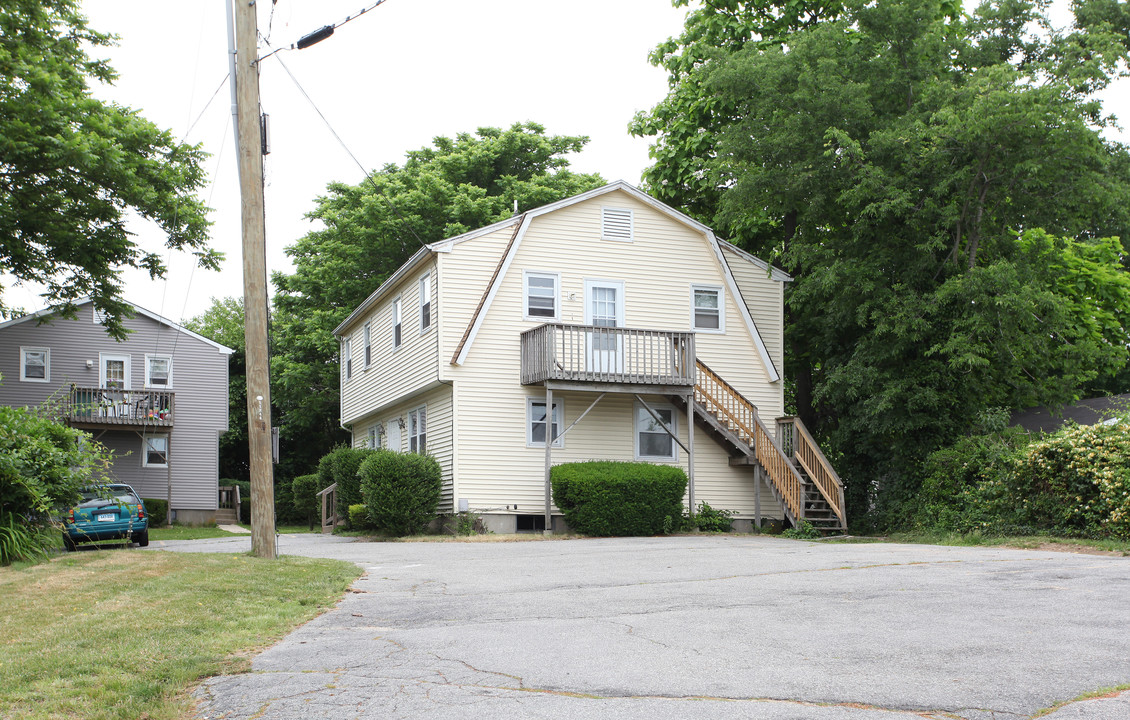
(68, 544)
(141, 538)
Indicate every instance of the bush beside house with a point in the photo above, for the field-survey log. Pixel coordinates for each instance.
(619, 498)
(340, 466)
(401, 491)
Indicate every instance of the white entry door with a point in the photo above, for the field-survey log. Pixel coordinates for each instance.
(604, 308)
(114, 379)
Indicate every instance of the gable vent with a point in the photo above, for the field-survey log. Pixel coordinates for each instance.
(616, 224)
(99, 316)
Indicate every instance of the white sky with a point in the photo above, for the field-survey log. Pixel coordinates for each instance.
(388, 82)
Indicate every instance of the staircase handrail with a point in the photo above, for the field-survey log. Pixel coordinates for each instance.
(743, 414)
(807, 452)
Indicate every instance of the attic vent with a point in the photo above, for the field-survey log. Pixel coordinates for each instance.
(616, 224)
(99, 316)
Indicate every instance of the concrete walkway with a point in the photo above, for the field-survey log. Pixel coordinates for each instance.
(695, 627)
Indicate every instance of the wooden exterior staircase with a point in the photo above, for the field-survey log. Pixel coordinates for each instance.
(797, 472)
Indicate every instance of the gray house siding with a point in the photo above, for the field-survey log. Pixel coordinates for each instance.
(199, 381)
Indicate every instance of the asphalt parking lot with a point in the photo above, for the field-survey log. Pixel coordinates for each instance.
(695, 627)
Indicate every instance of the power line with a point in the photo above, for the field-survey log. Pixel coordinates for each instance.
(316, 36)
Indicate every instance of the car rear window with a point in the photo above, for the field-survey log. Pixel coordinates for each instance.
(96, 497)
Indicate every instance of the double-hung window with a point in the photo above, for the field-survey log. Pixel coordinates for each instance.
(158, 371)
(396, 322)
(375, 437)
(418, 431)
(368, 344)
(155, 451)
(706, 309)
(652, 441)
(536, 422)
(541, 293)
(425, 302)
(35, 364)
(347, 357)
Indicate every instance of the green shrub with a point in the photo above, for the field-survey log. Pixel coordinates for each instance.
(306, 500)
(708, 519)
(340, 466)
(401, 490)
(285, 511)
(158, 509)
(358, 516)
(619, 498)
(804, 531)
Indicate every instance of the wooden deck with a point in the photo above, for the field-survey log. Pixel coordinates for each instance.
(101, 408)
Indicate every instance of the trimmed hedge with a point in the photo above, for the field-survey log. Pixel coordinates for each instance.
(306, 502)
(401, 491)
(619, 498)
(340, 466)
(358, 516)
(158, 511)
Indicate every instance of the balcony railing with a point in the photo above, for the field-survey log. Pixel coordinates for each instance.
(110, 406)
(588, 353)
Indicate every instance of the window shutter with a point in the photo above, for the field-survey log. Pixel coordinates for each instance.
(616, 224)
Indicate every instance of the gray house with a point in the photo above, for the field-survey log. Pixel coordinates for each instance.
(159, 400)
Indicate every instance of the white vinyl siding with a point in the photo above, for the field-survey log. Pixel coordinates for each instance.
(617, 224)
(535, 422)
(35, 364)
(541, 293)
(708, 309)
(158, 371)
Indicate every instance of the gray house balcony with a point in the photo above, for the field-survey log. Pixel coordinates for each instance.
(109, 407)
(608, 359)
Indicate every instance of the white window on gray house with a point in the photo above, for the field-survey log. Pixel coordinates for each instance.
(616, 224)
(418, 431)
(158, 371)
(35, 364)
(541, 295)
(652, 441)
(536, 421)
(425, 302)
(396, 323)
(368, 344)
(155, 451)
(706, 308)
(347, 357)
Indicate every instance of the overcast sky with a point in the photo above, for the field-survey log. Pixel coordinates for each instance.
(388, 82)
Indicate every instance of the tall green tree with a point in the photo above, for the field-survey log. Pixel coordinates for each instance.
(939, 186)
(371, 229)
(73, 167)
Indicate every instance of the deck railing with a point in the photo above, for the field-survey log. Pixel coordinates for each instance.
(230, 500)
(330, 518)
(112, 406)
(798, 443)
(590, 353)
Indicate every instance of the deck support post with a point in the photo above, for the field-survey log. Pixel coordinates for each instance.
(690, 451)
(169, 479)
(757, 497)
(548, 450)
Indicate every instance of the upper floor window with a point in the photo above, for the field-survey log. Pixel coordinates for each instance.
(536, 421)
(541, 293)
(368, 344)
(653, 442)
(347, 357)
(616, 224)
(418, 431)
(396, 323)
(35, 364)
(425, 302)
(158, 371)
(706, 308)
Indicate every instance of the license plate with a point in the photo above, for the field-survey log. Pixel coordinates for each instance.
(106, 518)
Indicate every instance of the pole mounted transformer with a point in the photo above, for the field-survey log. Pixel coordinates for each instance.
(250, 137)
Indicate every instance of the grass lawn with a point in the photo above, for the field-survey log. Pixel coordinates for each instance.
(187, 532)
(1024, 542)
(123, 634)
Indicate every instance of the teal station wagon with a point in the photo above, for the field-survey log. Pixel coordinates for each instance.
(108, 512)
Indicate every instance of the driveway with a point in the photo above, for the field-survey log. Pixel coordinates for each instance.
(695, 627)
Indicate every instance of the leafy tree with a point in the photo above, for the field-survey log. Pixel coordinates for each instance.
(223, 323)
(370, 230)
(938, 186)
(72, 167)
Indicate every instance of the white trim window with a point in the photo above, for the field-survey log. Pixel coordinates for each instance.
(155, 451)
(541, 291)
(535, 422)
(616, 224)
(425, 302)
(652, 441)
(418, 431)
(396, 323)
(347, 357)
(367, 332)
(707, 309)
(375, 437)
(158, 371)
(35, 364)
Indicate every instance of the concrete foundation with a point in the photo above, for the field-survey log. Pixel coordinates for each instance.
(194, 517)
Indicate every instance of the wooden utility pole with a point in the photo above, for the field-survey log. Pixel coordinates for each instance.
(249, 137)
